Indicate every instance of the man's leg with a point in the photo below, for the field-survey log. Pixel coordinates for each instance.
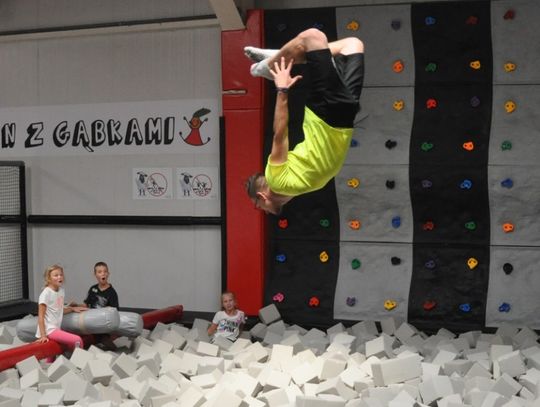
(309, 40)
(346, 46)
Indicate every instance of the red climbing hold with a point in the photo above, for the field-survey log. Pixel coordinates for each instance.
(429, 305)
(509, 15)
(429, 225)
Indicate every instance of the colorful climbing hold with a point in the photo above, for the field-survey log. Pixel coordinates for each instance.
(429, 305)
(466, 184)
(466, 307)
(475, 64)
(468, 145)
(323, 257)
(390, 184)
(353, 182)
(324, 223)
(398, 66)
(475, 101)
(396, 222)
(506, 145)
(428, 226)
(504, 307)
(430, 20)
(354, 143)
(430, 264)
(281, 27)
(431, 103)
(510, 106)
(314, 302)
(350, 301)
(471, 225)
(353, 25)
(472, 263)
(426, 146)
(390, 144)
(508, 227)
(283, 223)
(426, 183)
(389, 305)
(355, 264)
(279, 297)
(281, 258)
(395, 24)
(471, 20)
(431, 67)
(509, 67)
(509, 15)
(395, 261)
(398, 105)
(507, 183)
(508, 268)
(354, 224)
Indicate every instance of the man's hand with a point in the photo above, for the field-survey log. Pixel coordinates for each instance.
(282, 74)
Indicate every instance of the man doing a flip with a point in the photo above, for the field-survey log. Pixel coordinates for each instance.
(337, 72)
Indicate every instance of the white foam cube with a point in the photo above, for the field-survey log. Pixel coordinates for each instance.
(269, 314)
(27, 365)
(396, 370)
(98, 371)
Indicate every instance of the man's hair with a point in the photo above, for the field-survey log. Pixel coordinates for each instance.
(254, 184)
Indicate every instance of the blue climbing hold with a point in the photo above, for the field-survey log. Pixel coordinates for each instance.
(396, 222)
(430, 20)
(280, 258)
(504, 307)
(430, 264)
(507, 183)
(466, 307)
(466, 184)
(354, 143)
(426, 183)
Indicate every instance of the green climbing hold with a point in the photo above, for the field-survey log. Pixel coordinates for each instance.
(324, 223)
(426, 146)
(431, 67)
(355, 264)
(470, 225)
(506, 145)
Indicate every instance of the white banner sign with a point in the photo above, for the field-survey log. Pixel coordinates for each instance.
(171, 126)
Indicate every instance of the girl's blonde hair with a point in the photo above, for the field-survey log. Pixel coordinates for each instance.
(224, 293)
(49, 270)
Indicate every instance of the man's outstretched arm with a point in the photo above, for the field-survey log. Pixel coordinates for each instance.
(283, 81)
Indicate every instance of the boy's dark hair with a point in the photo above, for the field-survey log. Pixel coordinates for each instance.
(100, 264)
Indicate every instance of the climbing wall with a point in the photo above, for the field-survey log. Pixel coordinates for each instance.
(433, 218)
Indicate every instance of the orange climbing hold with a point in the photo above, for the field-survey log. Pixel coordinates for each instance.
(508, 227)
(469, 146)
(355, 224)
(353, 182)
(389, 305)
(398, 66)
(353, 25)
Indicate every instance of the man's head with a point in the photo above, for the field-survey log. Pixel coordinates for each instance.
(262, 197)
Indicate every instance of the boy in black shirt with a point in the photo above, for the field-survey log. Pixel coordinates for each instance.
(102, 294)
